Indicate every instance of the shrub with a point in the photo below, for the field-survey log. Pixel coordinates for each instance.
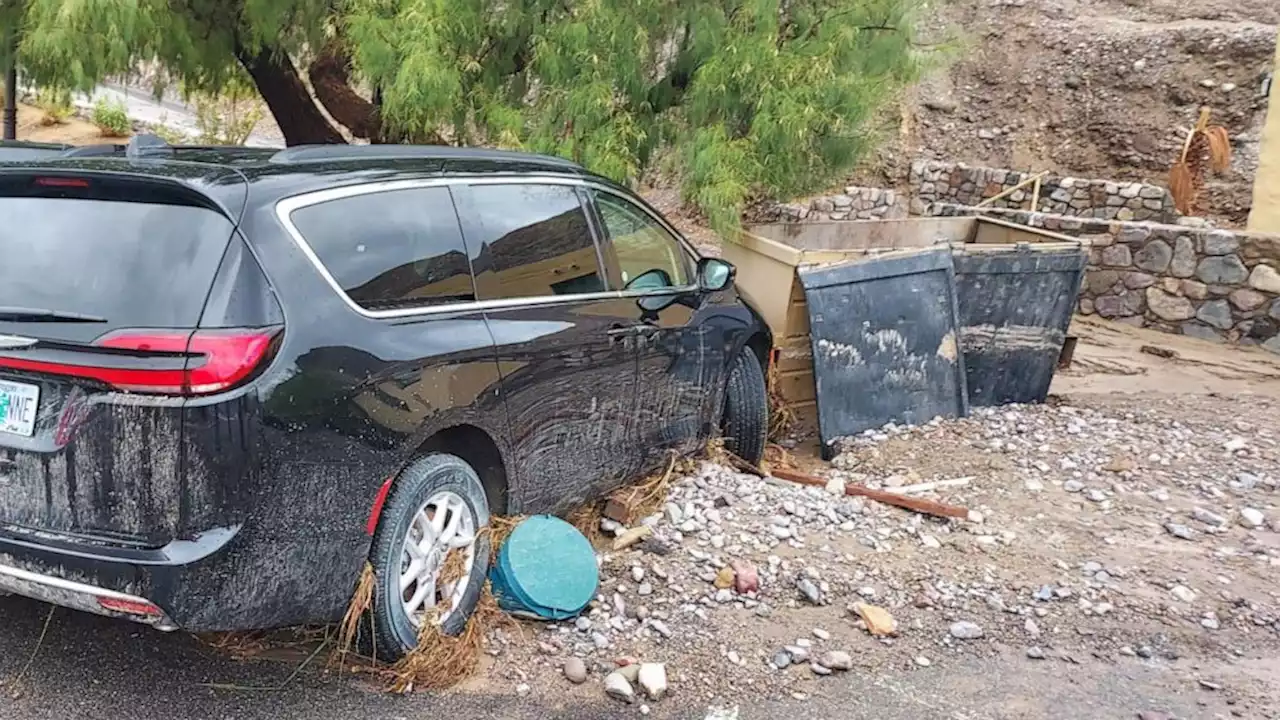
(111, 118)
(55, 103)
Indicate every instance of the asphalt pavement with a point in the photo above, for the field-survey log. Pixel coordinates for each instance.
(92, 668)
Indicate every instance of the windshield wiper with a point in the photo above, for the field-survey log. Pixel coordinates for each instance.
(21, 314)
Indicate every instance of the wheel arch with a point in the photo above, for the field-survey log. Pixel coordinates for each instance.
(479, 450)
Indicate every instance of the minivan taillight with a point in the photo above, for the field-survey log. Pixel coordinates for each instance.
(218, 359)
(168, 362)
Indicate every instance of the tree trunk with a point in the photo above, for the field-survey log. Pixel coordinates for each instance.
(281, 87)
(330, 75)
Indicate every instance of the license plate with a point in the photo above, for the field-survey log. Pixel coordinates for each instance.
(18, 405)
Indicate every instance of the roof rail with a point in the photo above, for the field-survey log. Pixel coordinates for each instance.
(325, 153)
(92, 150)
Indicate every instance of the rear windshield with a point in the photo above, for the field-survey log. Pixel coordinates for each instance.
(133, 264)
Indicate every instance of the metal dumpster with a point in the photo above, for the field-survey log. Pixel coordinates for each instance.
(995, 286)
(883, 336)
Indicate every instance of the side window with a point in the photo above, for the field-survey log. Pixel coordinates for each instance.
(533, 241)
(391, 249)
(648, 255)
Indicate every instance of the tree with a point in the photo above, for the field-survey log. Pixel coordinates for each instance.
(743, 98)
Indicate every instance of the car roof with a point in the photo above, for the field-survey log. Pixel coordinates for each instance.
(223, 172)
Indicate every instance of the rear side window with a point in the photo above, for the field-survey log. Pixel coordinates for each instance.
(401, 248)
(125, 264)
(533, 241)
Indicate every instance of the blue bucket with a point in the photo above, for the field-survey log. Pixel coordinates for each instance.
(545, 569)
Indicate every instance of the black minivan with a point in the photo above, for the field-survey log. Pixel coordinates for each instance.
(229, 377)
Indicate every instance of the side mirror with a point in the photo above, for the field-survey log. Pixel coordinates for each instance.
(650, 280)
(715, 274)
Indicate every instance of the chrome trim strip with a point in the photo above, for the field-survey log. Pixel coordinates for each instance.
(11, 342)
(68, 585)
(77, 590)
(286, 207)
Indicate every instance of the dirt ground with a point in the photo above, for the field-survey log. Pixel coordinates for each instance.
(32, 127)
(1089, 88)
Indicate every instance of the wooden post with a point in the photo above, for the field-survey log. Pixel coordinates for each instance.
(1035, 195)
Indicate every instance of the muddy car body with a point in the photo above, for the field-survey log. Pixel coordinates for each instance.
(220, 365)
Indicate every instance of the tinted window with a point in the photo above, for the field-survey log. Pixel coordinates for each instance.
(391, 249)
(534, 241)
(648, 255)
(138, 265)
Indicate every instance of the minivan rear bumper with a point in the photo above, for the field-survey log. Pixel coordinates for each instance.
(81, 573)
(80, 596)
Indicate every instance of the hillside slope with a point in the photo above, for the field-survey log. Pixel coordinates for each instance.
(1092, 88)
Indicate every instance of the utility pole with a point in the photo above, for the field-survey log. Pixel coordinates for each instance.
(11, 93)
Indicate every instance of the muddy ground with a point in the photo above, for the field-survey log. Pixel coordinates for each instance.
(1116, 570)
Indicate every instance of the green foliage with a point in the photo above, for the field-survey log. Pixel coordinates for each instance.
(743, 99)
(56, 105)
(112, 118)
(761, 98)
(228, 115)
(168, 134)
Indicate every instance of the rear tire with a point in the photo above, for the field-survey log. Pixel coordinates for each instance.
(745, 421)
(430, 486)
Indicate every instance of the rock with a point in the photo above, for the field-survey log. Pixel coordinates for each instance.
(879, 622)
(523, 689)
(965, 630)
(746, 578)
(631, 537)
(724, 578)
(653, 680)
(781, 659)
(1222, 270)
(819, 669)
(1220, 242)
(1265, 278)
(1216, 313)
(930, 542)
(1183, 264)
(1073, 486)
(1183, 593)
(575, 671)
(923, 661)
(1117, 256)
(674, 515)
(1207, 517)
(1096, 495)
(1169, 307)
(1247, 299)
(837, 660)
(582, 623)
(644, 589)
(1210, 622)
(617, 687)
(821, 634)
(1044, 594)
(1252, 518)
(1032, 485)
(1035, 653)
(1179, 531)
(809, 590)
(797, 653)
(1031, 628)
(660, 628)
(1155, 257)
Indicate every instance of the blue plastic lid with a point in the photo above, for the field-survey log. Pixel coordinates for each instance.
(548, 565)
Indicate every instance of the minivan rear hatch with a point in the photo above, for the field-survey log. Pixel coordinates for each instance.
(103, 279)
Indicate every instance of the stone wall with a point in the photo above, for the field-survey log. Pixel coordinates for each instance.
(1214, 284)
(855, 203)
(939, 182)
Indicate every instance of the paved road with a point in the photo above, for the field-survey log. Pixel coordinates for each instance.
(99, 669)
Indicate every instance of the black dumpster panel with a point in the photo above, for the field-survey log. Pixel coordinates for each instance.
(883, 333)
(1015, 306)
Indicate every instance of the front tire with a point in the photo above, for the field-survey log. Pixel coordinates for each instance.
(436, 510)
(745, 421)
